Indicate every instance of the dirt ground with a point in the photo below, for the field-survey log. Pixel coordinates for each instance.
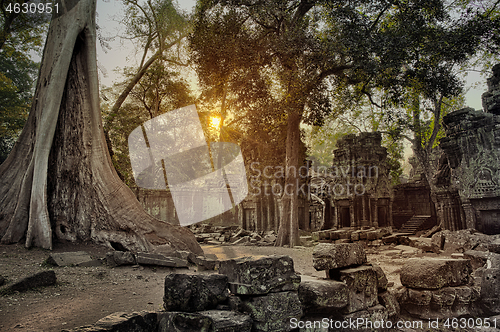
(83, 295)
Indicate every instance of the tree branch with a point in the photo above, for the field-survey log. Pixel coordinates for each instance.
(135, 79)
(437, 118)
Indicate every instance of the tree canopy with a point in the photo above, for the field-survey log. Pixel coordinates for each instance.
(19, 35)
(293, 57)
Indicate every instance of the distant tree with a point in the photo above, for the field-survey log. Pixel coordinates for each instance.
(17, 73)
(156, 27)
(19, 35)
(24, 31)
(159, 90)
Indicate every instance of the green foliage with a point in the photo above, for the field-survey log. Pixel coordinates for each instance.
(157, 27)
(17, 73)
(23, 32)
(19, 35)
(160, 90)
(321, 141)
(154, 25)
(321, 57)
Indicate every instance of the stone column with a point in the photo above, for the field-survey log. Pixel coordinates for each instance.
(470, 217)
(258, 215)
(451, 226)
(277, 212)
(375, 214)
(364, 221)
(336, 216)
(391, 224)
(241, 216)
(440, 216)
(351, 212)
(307, 221)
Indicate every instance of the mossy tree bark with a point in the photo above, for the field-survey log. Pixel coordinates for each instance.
(58, 181)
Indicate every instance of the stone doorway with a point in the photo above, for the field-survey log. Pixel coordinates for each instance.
(491, 221)
(345, 216)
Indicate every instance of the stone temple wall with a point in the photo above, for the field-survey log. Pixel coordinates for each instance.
(356, 189)
(469, 175)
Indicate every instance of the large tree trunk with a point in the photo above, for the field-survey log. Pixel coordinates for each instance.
(59, 177)
(288, 231)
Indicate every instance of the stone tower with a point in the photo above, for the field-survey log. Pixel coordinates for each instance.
(469, 195)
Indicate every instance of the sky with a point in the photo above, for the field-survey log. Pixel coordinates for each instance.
(122, 53)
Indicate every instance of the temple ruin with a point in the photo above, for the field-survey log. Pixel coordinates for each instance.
(469, 177)
(355, 192)
(356, 189)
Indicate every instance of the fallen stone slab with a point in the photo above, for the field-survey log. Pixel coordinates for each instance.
(183, 321)
(272, 312)
(205, 263)
(249, 276)
(40, 279)
(184, 292)
(493, 260)
(240, 241)
(406, 250)
(389, 301)
(462, 240)
(425, 244)
(228, 321)
(490, 291)
(369, 318)
(477, 258)
(441, 303)
(186, 255)
(391, 252)
(393, 238)
(76, 258)
(271, 238)
(362, 285)
(373, 235)
(122, 322)
(494, 246)
(323, 296)
(160, 260)
(209, 321)
(119, 258)
(340, 234)
(328, 256)
(324, 235)
(434, 273)
(382, 281)
(429, 233)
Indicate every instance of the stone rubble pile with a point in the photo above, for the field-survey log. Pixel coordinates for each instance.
(266, 294)
(353, 288)
(438, 288)
(371, 236)
(490, 281)
(176, 259)
(247, 295)
(266, 289)
(217, 235)
(462, 240)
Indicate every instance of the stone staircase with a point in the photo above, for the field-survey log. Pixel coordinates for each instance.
(412, 225)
